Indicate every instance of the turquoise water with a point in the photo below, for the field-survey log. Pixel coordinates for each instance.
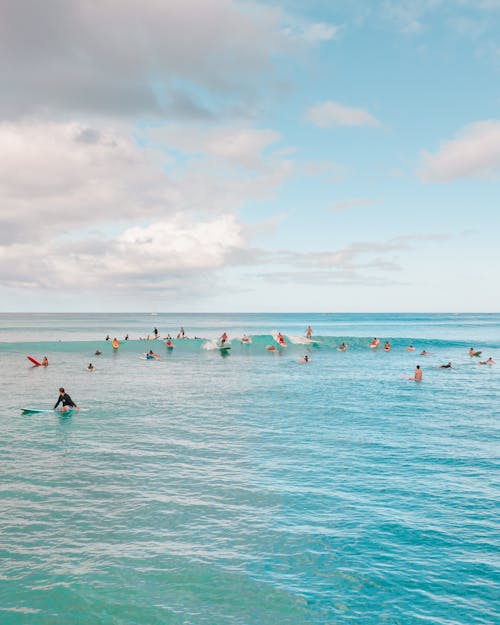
(248, 488)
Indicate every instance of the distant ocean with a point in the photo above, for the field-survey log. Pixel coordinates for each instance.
(246, 488)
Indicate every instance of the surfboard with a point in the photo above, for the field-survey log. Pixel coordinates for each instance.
(225, 348)
(34, 410)
(35, 362)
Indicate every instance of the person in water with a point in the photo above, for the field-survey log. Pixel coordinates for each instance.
(417, 376)
(375, 342)
(410, 348)
(45, 362)
(281, 340)
(304, 360)
(309, 332)
(155, 332)
(126, 337)
(245, 339)
(107, 337)
(448, 366)
(490, 361)
(473, 352)
(151, 355)
(181, 333)
(387, 346)
(97, 353)
(90, 367)
(424, 353)
(223, 339)
(342, 347)
(66, 401)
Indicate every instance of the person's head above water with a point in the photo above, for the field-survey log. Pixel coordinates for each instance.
(61, 390)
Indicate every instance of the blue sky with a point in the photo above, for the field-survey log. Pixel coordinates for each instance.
(237, 156)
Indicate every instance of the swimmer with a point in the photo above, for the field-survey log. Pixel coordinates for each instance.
(45, 362)
(473, 352)
(309, 332)
(490, 361)
(448, 366)
(65, 399)
(152, 356)
(245, 339)
(304, 360)
(387, 346)
(342, 347)
(424, 353)
(410, 348)
(90, 367)
(417, 376)
(375, 342)
(97, 353)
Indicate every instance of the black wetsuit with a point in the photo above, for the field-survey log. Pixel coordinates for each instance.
(66, 401)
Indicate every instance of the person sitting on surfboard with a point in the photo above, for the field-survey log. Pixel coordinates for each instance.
(309, 332)
(342, 347)
(66, 401)
(473, 352)
(417, 376)
(410, 348)
(387, 346)
(45, 362)
(90, 367)
(375, 342)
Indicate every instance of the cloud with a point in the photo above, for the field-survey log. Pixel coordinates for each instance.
(160, 255)
(340, 206)
(128, 58)
(475, 152)
(320, 31)
(236, 145)
(330, 113)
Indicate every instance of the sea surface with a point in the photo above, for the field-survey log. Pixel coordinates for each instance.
(247, 488)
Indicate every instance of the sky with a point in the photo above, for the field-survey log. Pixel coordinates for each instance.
(225, 155)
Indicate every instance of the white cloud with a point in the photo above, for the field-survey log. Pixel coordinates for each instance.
(241, 146)
(475, 152)
(320, 31)
(340, 206)
(332, 113)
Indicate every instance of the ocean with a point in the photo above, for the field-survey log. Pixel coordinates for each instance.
(247, 488)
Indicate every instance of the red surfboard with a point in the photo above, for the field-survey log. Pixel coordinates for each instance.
(35, 362)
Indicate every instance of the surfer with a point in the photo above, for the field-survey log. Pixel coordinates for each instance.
(151, 355)
(410, 348)
(375, 342)
(90, 367)
(309, 332)
(245, 339)
(155, 332)
(45, 362)
(65, 399)
(417, 376)
(342, 347)
(448, 366)
(473, 352)
(181, 333)
(107, 337)
(424, 353)
(126, 337)
(223, 339)
(280, 339)
(387, 346)
(490, 361)
(97, 353)
(303, 361)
